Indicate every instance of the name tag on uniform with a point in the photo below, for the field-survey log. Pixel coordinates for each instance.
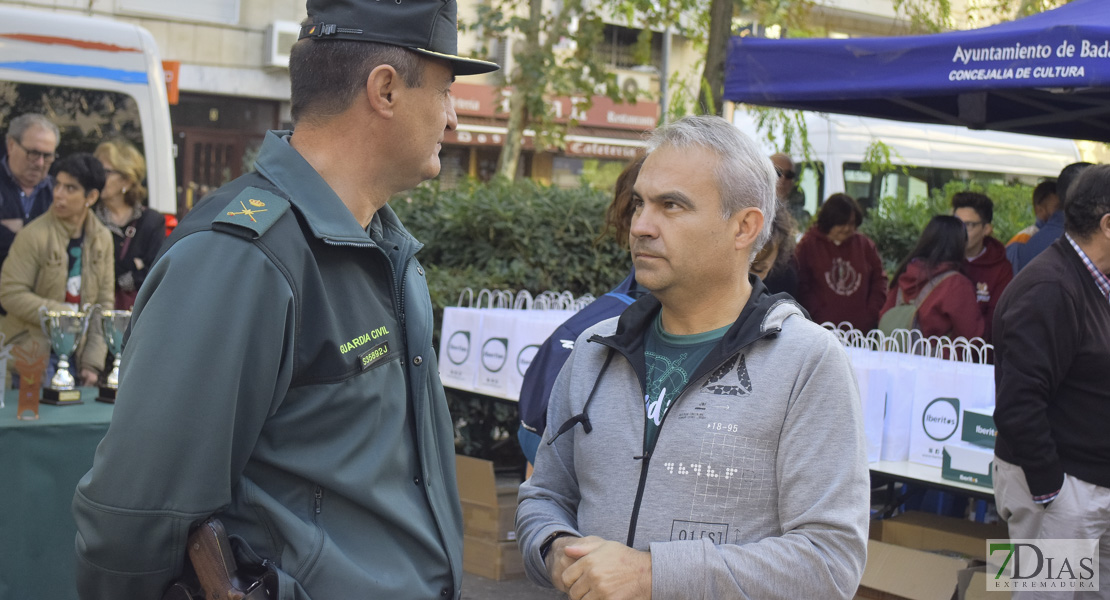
(373, 356)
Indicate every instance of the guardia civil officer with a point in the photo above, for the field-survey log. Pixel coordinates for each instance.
(280, 372)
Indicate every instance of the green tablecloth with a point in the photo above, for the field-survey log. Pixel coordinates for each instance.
(40, 464)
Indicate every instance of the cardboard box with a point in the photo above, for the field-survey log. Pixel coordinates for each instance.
(875, 530)
(897, 573)
(488, 502)
(978, 428)
(968, 463)
(929, 532)
(973, 585)
(492, 560)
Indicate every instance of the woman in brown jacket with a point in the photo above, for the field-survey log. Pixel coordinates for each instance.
(62, 260)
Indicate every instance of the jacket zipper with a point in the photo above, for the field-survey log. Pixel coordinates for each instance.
(318, 501)
(646, 457)
(332, 242)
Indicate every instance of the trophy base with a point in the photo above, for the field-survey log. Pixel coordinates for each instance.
(61, 397)
(107, 395)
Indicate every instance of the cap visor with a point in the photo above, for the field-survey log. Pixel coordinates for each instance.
(460, 65)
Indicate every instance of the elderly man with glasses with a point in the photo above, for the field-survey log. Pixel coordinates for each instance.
(26, 189)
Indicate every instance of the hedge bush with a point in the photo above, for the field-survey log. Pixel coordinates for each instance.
(515, 235)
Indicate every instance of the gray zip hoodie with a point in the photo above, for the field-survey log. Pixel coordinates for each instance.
(758, 484)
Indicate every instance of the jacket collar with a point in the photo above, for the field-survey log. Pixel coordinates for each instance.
(762, 316)
(65, 230)
(328, 218)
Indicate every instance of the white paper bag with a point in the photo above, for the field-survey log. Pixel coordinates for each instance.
(458, 356)
(871, 377)
(942, 391)
(533, 327)
(901, 379)
(493, 368)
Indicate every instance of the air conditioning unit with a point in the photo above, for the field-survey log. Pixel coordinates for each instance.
(641, 84)
(280, 37)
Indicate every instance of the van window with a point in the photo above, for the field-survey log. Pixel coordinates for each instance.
(84, 117)
(857, 182)
(912, 184)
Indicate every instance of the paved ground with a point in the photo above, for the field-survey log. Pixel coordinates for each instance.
(480, 588)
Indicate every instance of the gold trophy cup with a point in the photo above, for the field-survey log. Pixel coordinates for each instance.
(64, 329)
(114, 323)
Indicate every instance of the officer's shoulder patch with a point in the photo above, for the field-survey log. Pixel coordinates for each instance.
(254, 209)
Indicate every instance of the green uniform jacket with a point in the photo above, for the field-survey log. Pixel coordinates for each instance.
(280, 374)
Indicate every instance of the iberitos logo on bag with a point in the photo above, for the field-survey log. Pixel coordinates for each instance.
(941, 418)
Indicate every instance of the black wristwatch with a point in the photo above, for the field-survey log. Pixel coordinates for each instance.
(546, 545)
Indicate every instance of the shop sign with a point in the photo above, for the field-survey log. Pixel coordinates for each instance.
(487, 101)
(600, 150)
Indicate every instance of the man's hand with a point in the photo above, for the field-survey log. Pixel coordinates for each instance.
(558, 561)
(606, 570)
(14, 225)
(89, 377)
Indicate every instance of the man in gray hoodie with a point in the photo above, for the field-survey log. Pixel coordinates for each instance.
(708, 442)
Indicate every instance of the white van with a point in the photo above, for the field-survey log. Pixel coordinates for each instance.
(928, 156)
(94, 78)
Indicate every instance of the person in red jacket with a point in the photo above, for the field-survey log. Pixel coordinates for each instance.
(950, 309)
(985, 264)
(840, 274)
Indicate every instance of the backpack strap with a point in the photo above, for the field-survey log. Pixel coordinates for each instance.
(929, 287)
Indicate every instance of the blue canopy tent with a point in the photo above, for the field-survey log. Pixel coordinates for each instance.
(1047, 74)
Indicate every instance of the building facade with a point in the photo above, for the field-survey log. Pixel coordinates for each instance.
(229, 63)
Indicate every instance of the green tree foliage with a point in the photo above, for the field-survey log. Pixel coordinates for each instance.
(518, 235)
(554, 57)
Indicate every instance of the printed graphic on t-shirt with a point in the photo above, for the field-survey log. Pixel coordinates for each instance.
(843, 278)
(716, 533)
(732, 473)
(729, 380)
(73, 282)
(664, 377)
(982, 292)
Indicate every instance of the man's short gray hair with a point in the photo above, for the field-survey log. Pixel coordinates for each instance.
(745, 176)
(22, 123)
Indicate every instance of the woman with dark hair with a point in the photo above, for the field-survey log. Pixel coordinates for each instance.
(840, 274)
(950, 307)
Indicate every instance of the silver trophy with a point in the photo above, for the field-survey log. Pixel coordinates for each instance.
(64, 329)
(114, 323)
